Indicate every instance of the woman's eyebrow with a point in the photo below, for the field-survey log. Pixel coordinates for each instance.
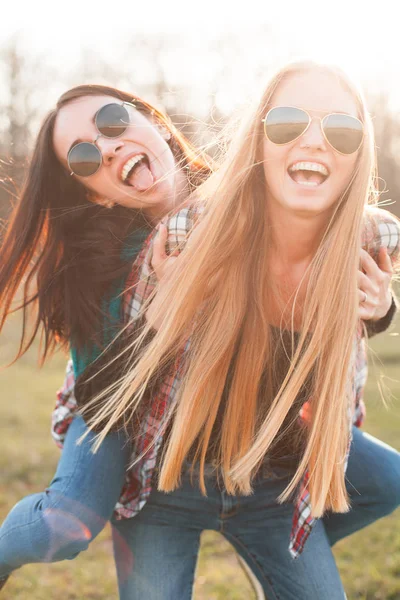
(332, 112)
(74, 143)
(80, 140)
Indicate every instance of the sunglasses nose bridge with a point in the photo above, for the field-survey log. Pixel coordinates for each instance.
(314, 135)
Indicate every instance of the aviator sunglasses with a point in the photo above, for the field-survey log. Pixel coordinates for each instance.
(112, 120)
(284, 124)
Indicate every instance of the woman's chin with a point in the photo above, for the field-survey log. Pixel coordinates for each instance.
(303, 199)
(314, 205)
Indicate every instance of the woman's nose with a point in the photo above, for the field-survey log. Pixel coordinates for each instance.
(109, 147)
(314, 137)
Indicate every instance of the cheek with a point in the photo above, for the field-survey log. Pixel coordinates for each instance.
(154, 138)
(275, 159)
(87, 184)
(166, 158)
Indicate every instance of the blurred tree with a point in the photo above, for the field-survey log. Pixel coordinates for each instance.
(24, 78)
(387, 131)
(199, 83)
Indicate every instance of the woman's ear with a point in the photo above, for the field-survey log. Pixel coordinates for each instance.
(163, 131)
(107, 203)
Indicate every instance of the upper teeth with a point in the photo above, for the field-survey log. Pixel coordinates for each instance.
(309, 166)
(128, 166)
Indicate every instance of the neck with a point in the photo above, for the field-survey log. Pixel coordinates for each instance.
(295, 236)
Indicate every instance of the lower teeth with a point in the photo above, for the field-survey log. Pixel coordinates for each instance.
(308, 183)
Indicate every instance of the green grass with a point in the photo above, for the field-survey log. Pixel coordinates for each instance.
(369, 561)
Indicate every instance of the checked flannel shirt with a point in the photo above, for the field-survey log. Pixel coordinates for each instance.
(381, 229)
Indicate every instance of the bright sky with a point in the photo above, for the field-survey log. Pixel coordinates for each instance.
(346, 32)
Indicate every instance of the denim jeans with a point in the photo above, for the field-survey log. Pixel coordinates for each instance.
(163, 542)
(373, 485)
(60, 522)
(156, 551)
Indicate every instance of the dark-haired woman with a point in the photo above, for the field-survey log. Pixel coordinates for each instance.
(105, 169)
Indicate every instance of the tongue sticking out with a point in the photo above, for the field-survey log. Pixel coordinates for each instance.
(307, 177)
(141, 178)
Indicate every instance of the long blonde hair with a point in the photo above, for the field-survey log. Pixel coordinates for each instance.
(218, 297)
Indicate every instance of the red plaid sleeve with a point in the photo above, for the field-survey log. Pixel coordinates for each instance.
(65, 408)
(381, 229)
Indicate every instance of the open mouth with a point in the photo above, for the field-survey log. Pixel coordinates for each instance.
(136, 173)
(308, 174)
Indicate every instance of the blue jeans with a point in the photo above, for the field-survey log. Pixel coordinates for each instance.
(60, 522)
(156, 552)
(373, 485)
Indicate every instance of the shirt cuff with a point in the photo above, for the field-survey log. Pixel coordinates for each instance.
(374, 327)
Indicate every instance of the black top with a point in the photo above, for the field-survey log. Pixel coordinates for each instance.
(288, 446)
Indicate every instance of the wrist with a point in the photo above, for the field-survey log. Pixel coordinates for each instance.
(384, 308)
(374, 327)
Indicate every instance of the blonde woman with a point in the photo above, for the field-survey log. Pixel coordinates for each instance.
(253, 363)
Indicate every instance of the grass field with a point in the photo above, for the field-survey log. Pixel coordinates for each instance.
(369, 561)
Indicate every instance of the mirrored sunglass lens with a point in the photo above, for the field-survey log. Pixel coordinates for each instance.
(112, 120)
(84, 159)
(343, 132)
(284, 124)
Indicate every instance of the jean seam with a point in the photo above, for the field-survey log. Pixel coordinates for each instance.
(193, 571)
(255, 562)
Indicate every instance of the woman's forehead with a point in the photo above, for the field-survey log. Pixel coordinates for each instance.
(76, 119)
(315, 91)
(81, 110)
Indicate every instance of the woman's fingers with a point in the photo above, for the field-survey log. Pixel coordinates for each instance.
(374, 285)
(369, 266)
(159, 246)
(384, 262)
(368, 305)
(161, 261)
(368, 296)
(367, 285)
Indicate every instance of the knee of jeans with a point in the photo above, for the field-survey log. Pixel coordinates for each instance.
(387, 485)
(67, 550)
(58, 549)
(393, 490)
(68, 536)
(74, 517)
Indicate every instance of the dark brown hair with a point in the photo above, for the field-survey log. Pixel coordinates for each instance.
(66, 250)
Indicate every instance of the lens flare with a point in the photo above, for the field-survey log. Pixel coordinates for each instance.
(66, 530)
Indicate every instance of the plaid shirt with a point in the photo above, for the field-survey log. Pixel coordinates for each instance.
(381, 229)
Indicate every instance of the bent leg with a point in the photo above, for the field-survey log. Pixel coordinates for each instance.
(260, 532)
(312, 576)
(60, 522)
(156, 551)
(373, 484)
(155, 557)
